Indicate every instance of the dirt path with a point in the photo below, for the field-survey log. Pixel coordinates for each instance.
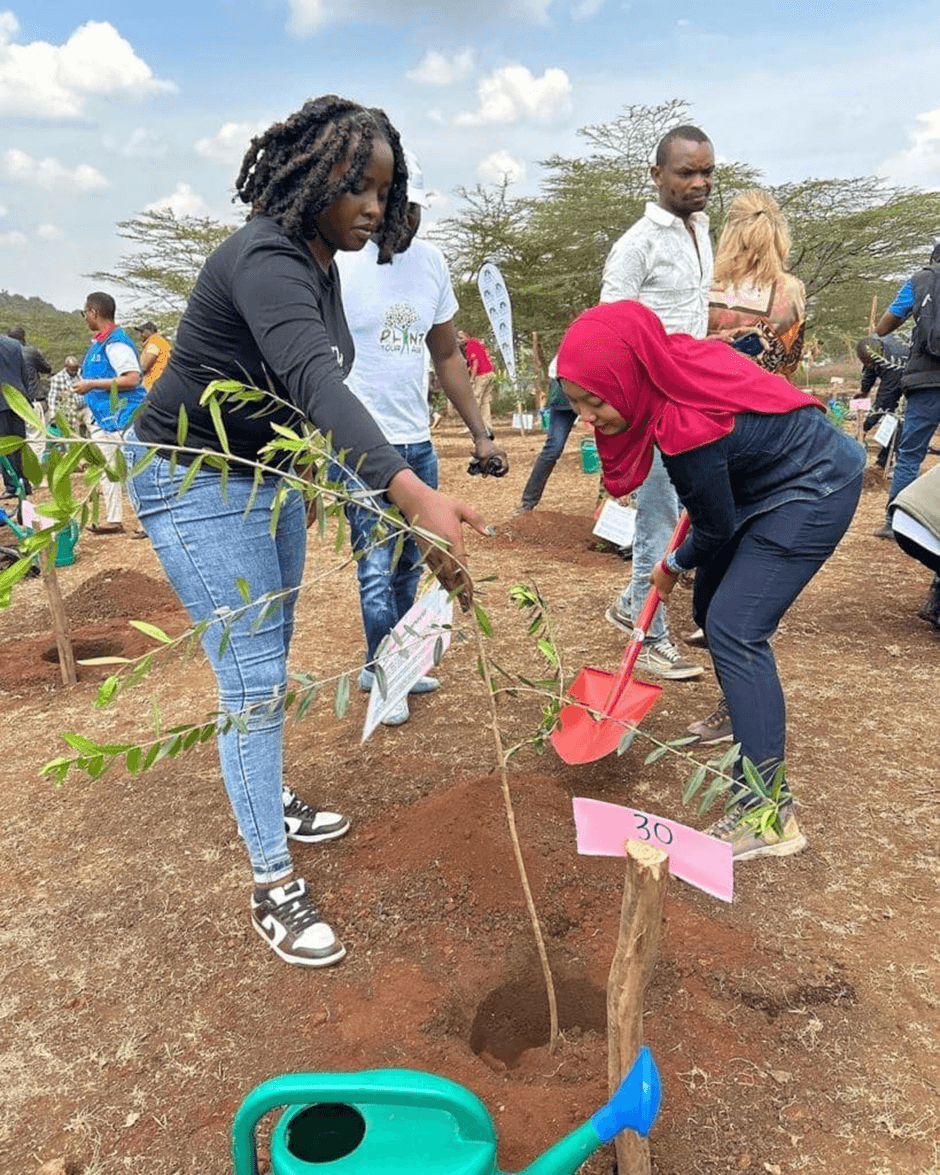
(796, 1029)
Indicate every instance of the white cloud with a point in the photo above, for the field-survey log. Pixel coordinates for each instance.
(309, 16)
(4, 211)
(49, 232)
(501, 165)
(441, 69)
(144, 144)
(918, 164)
(12, 240)
(40, 80)
(512, 93)
(230, 142)
(182, 201)
(51, 175)
(585, 9)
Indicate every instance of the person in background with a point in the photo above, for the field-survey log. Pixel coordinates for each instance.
(754, 303)
(760, 309)
(883, 362)
(920, 382)
(399, 315)
(915, 519)
(36, 367)
(561, 420)
(13, 371)
(63, 399)
(480, 367)
(109, 379)
(664, 261)
(155, 353)
(770, 487)
(327, 179)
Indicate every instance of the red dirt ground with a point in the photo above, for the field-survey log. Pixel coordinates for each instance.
(796, 1029)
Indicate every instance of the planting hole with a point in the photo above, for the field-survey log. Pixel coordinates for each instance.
(83, 650)
(514, 1017)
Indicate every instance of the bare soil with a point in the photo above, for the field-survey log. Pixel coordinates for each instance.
(796, 1029)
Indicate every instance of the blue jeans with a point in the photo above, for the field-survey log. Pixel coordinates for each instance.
(560, 423)
(206, 543)
(386, 592)
(921, 417)
(657, 512)
(740, 597)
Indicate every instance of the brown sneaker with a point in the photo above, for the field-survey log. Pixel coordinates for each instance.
(716, 728)
(746, 842)
(288, 921)
(883, 532)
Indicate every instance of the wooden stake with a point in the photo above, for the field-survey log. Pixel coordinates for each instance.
(644, 891)
(60, 622)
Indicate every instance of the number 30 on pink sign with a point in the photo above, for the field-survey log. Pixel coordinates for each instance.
(703, 861)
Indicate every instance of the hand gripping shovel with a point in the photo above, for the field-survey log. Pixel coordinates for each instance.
(606, 704)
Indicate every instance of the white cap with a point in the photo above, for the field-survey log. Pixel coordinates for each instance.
(415, 180)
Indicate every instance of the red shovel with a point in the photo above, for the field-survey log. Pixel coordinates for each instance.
(606, 704)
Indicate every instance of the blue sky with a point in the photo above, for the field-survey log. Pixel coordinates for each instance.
(154, 106)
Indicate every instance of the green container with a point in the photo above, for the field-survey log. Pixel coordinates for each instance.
(590, 460)
(405, 1122)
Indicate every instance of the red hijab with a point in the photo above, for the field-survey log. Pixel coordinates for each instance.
(675, 391)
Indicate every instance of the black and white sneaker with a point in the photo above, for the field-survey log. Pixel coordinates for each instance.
(308, 824)
(288, 921)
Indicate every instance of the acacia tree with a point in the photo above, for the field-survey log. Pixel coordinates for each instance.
(166, 256)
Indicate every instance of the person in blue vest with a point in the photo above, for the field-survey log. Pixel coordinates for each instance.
(110, 381)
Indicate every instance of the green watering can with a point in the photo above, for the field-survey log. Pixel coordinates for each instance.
(404, 1122)
(64, 544)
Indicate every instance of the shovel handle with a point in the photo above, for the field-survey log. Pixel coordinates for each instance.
(643, 621)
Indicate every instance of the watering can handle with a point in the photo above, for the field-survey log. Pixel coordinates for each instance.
(643, 621)
(399, 1087)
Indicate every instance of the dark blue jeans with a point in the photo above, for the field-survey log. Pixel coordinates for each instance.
(386, 589)
(560, 423)
(740, 597)
(921, 417)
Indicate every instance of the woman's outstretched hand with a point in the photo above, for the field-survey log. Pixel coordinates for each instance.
(444, 517)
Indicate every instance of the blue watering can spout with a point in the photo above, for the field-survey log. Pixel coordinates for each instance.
(633, 1107)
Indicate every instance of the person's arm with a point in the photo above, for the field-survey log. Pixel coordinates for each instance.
(703, 482)
(899, 309)
(41, 363)
(126, 380)
(148, 357)
(454, 379)
(624, 272)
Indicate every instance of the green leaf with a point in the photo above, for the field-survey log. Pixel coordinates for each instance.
(693, 783)
(182, 426)
(341, 699)
(215, 411)
(87, 746)
(243, 589)
(626, 740)
(151, 630)
(190, 475)
(655, 754)
(483, 621)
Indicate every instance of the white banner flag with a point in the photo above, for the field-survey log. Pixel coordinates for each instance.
(499, 311)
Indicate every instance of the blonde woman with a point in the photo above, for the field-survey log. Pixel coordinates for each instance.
(760, 309)
(755, 304)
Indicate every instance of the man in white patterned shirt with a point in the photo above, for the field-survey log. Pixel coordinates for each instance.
(664, 261)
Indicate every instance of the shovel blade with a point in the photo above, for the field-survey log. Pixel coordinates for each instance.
(581, 738)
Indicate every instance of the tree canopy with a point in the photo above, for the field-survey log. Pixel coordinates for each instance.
(852, 238)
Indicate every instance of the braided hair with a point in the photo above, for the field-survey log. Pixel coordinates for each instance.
(286, 170)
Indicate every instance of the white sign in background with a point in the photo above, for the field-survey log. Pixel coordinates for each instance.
(499, 311)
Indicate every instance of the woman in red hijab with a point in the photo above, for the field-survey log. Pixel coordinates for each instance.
(770, 487)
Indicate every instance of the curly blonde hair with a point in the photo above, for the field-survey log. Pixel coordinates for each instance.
(755, 243)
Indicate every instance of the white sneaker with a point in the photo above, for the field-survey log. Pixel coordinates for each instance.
(305, 823)
(662, 659)
(288, 921)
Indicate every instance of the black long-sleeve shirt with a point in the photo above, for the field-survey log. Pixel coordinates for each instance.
(264, 313)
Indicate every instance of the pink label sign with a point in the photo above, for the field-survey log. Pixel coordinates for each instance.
(702, 861)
